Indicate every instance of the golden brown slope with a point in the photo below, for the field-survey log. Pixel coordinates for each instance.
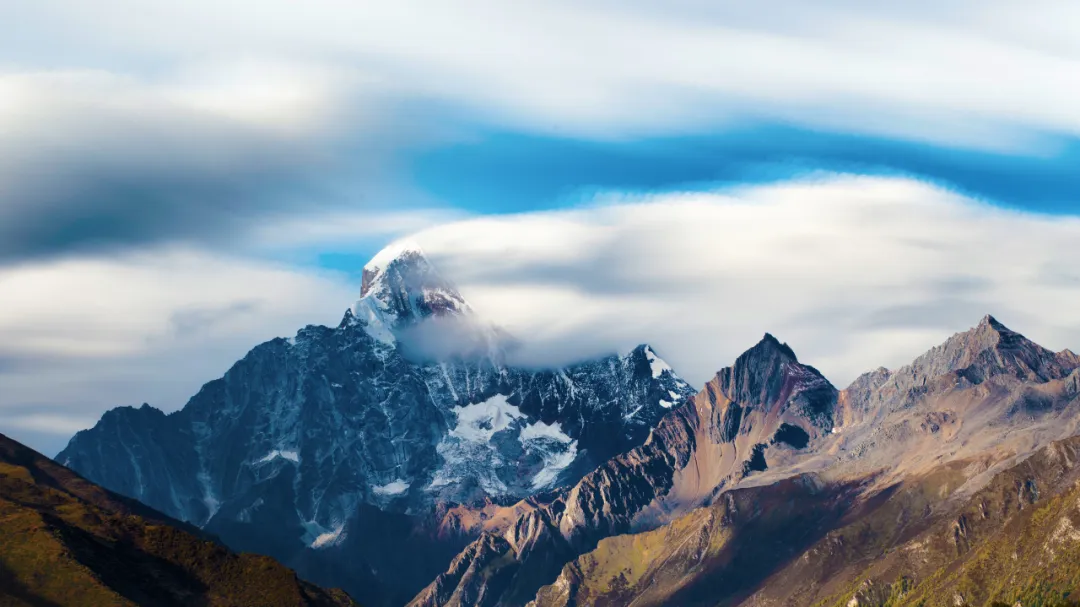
(1015, 540)
(920, 444)
(767, 405)
(67, 542)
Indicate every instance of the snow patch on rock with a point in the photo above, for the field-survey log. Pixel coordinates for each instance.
(656, 363)
(292, 456)
(554, 447)
(540, 430)
(468, 452)
(479, 422)
(374, 318)
(330, 538)
(554, 463)
(396, 487)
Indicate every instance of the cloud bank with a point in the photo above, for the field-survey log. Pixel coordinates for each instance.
(962, 71)
(853, 272)
(153, 163)
(78, 337)
(92, 161)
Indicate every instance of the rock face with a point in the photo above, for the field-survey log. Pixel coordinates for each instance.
(407, 405)
(400, 447)
(990, 352)
(926, 489)
(766, 405)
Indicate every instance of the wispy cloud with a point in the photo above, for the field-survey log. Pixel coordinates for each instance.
(974, 71)
(82, 336)
(854, 272)
(208, 121)
(152, 162)
(93, 161)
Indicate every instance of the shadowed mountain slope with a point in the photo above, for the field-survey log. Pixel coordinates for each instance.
(67, 542)
(767, 406)
(339, 451)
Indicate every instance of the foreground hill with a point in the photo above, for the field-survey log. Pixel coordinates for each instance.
(65, 542)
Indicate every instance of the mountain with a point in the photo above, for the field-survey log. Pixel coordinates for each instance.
(352, 444)
(762, 411)
(941, 484)
(802, 542)
(65, 541)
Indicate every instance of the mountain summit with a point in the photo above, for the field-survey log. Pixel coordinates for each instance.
(400, 288)
(991, 348)
(310, 447)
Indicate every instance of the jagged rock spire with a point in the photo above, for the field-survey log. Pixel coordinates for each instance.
(768, 373)
(990, 348)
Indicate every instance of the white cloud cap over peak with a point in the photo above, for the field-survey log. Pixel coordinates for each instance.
(853, 272)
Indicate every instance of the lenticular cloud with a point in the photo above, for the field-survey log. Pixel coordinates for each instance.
(852, 270)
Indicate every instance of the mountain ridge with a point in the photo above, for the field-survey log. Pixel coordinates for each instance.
(694, 451)
(779, 394)
(483, 481)
(283, 453)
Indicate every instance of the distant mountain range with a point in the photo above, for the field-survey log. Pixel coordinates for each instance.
(400, 456)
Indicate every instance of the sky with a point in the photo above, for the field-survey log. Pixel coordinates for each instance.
(181, 181)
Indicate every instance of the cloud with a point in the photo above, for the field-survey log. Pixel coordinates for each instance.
(921, 70)
(95, 161)
(853, 272)
(206, 123)
(81, 336)
(146, 157)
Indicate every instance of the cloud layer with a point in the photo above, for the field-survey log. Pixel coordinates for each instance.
(966, 70)
(153, 162)
(853, 272)
(207, 119)
(92, 161)
(78, 337)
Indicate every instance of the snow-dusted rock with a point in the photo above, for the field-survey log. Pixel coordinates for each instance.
(282, 453)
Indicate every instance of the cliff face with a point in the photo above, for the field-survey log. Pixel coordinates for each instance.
(941, 485)
(767, 405)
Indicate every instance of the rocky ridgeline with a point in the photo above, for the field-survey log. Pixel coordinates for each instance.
(406, 406)
(765, 404)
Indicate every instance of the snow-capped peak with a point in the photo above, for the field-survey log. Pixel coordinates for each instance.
(400, 288)
(404, 252)
(657, 364)
(406, 247)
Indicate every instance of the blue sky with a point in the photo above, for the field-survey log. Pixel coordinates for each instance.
(514, 172)
(204, 160)
(502, 172)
